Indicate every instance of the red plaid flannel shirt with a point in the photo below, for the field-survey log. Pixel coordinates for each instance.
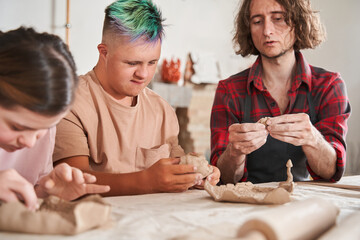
(327, 90)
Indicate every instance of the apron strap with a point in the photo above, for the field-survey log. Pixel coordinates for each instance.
(247, 108)
(313, 116)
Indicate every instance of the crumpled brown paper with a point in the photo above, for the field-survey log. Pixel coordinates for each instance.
(55, 216)
(246, 192)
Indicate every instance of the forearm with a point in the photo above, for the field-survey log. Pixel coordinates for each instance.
(120, 183)
(231, 166)
(123, 183)
(321, 156)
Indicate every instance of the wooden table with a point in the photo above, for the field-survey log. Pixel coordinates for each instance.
(194, 214)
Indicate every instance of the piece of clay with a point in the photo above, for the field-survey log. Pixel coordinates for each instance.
(249, 193)
(263, 120)
(199, 161)
(289, 183)
(306, 219)
(55, 216)
(175, 149)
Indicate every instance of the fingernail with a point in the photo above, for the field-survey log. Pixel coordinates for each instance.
(195, 168)
(49, 184)
(34, 208)
(209, 178)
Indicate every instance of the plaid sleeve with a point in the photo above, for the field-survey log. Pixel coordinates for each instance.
(223, 114)
(333, 112)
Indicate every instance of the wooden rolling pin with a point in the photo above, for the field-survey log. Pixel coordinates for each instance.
(306, 219)
(329, 184)
(347, 229)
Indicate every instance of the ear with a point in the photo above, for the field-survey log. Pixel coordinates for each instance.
(103, 50)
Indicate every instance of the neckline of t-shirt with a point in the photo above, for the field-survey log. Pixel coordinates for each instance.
(114, 103)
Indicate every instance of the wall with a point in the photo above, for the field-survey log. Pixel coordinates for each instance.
(202, 26)
(184, 18)
(341, 53)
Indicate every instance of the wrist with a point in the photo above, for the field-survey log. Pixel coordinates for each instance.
(316, 140)
(234, 156)
(145, 182)
(231, 162)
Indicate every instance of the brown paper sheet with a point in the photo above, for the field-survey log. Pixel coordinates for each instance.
(246, 192)
(55, 216)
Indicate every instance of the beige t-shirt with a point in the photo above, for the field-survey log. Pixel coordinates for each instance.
(117, 138)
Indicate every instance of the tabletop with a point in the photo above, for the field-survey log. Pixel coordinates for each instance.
(193, 214)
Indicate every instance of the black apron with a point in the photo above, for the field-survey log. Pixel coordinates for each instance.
(268, 163)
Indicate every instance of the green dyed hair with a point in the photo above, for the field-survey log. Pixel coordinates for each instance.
(134, 18)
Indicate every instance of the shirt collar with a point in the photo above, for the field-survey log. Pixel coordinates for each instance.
(303, 74)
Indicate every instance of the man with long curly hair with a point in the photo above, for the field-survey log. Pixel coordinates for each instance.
(306, 107)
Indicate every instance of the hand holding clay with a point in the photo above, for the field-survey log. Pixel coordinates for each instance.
(245, 138)
(211, 173)
(264, 120)
(211, 179)
(295, 129)
(166, 175)
(14, 187)
(199, 161)
(68, 183)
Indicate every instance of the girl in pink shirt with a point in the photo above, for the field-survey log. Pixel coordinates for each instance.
(37, 84)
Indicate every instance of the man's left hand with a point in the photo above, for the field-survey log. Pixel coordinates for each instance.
(296, 129)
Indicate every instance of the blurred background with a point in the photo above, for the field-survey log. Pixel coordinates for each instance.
(200, 31)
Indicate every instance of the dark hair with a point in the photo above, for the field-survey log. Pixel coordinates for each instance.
(134, 18)
(37, 72)
(309, 32)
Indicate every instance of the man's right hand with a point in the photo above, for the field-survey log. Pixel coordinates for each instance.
(14, 187)
(166, 175)
(245, 138)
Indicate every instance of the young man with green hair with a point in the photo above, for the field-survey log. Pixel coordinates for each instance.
(118, 129)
